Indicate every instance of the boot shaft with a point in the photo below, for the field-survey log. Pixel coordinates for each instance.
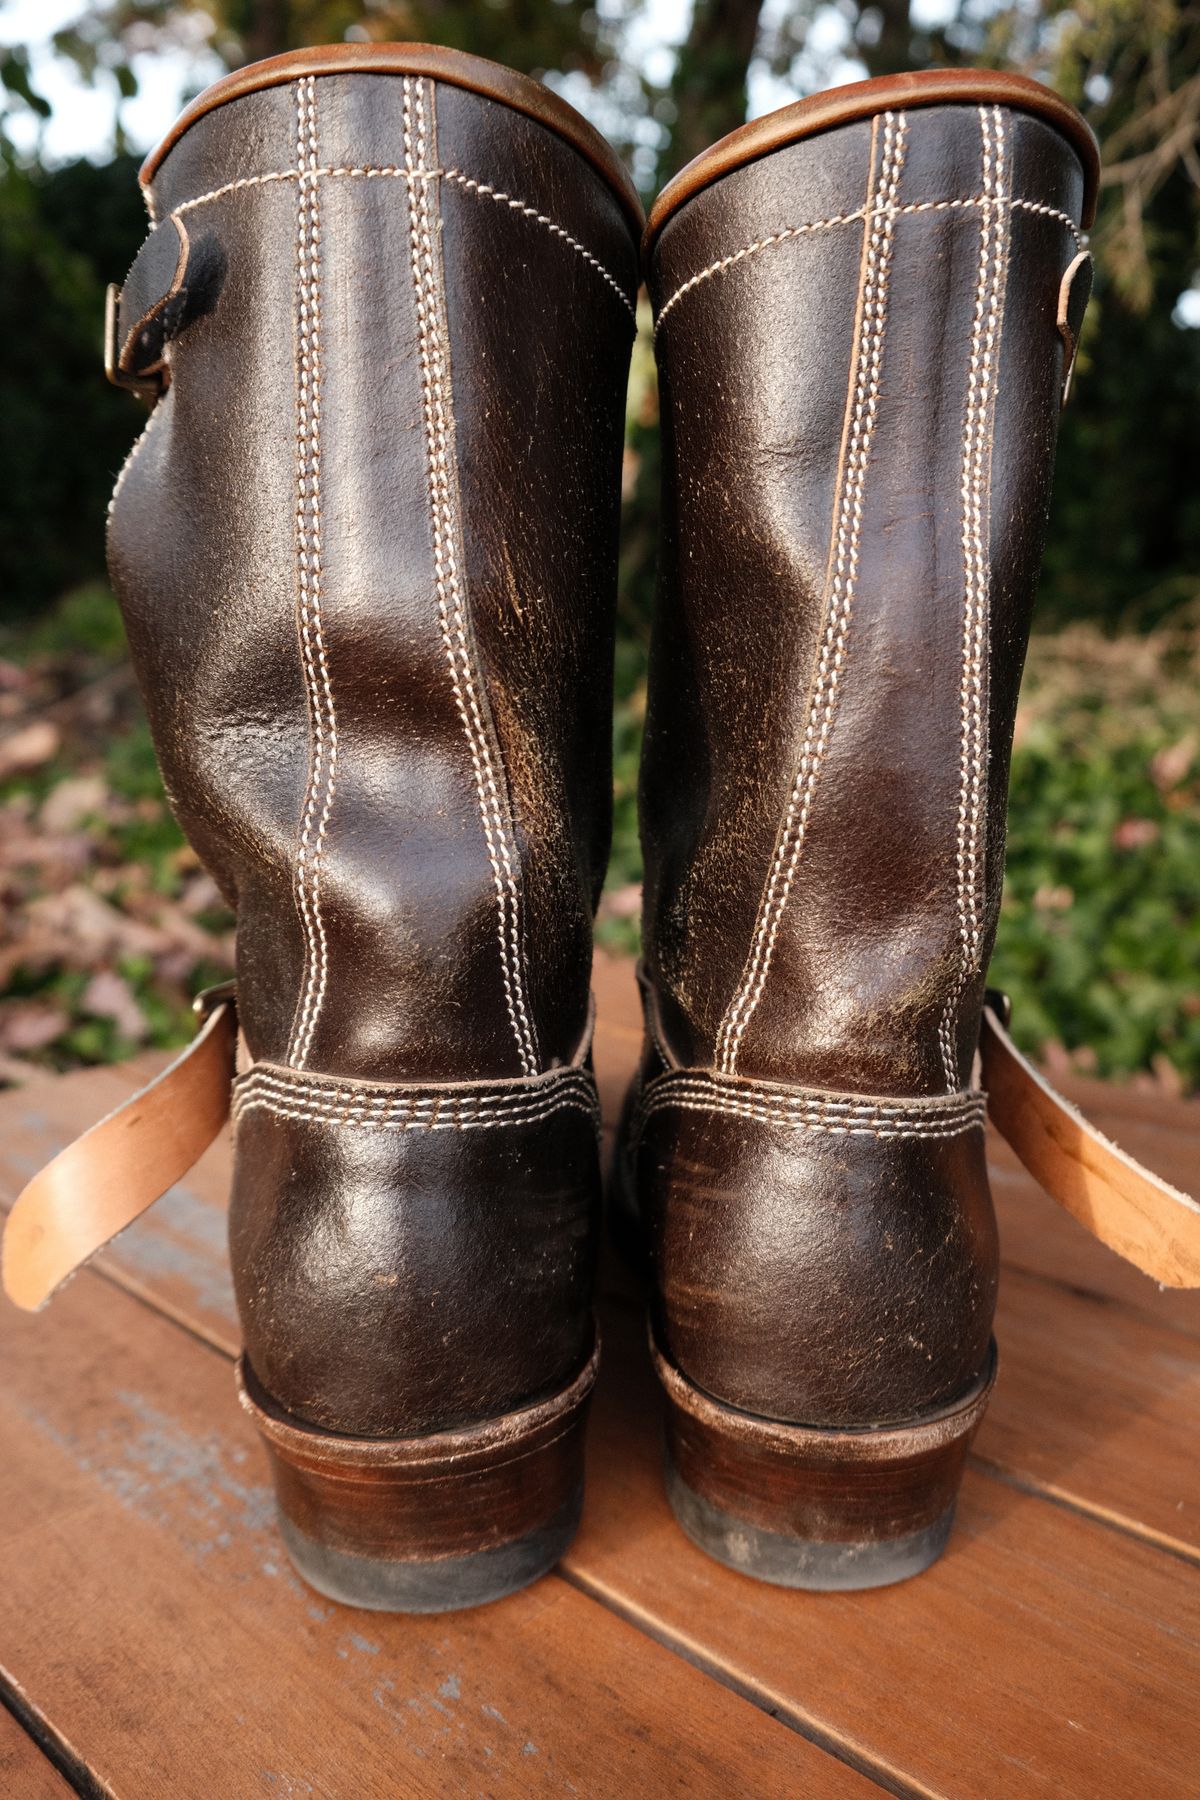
(366, 552)
(861, 373)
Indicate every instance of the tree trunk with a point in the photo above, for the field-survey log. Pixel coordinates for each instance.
(709, 84)
(892, 51)
(265, 32)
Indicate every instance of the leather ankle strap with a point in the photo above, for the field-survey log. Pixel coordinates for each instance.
(108, 1177)
(172, 281)
(1135, 1213)
(118, 1169)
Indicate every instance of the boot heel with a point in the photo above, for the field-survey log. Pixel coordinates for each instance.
(427, 1524)
(805, 1507)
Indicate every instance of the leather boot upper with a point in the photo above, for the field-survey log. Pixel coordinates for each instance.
(861, 368)
(366, 555)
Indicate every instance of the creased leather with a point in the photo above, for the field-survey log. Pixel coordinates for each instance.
(860, 368)
(366, 553)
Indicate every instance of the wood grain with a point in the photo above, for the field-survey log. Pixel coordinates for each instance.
(25, 1773)
(1055, 1649)
(147, 1604)
(1043, 1655)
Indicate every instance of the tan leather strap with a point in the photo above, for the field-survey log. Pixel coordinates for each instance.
(115, 1171)
(1141, 1217)
(108, 1177)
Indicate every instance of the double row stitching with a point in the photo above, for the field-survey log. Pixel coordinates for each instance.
(1036, 207)
(451, 614)
(977, 435)
(381, 1096)
(322, 780)
(813, 1110)
(879, 228)
(437, 1120)
(697, 1083)
(369, 172)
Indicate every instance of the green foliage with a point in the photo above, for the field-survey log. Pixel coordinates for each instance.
(1099, 941)
(63, 430)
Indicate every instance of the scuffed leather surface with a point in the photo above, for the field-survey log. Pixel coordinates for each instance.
(831, 1280)
(203, 553)
(391, 1283)
(826, 1280)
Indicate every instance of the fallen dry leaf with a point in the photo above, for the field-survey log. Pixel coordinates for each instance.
(31, 1024)
(109, 996)
(70, 802)
(29, 748)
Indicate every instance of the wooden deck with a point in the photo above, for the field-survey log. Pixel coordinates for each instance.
(154, 1641)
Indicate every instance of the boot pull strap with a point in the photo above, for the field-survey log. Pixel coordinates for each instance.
(172, 281)
(108, 1177)
(1135, 1213)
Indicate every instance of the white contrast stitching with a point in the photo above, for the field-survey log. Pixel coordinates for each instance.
(372, 1096)
(917, 206)
(249, 181)
(529, 212)
(436, 1121)
(323, 770)
(879, 224)
(977, 431)
(737, 256)
(370, 172)
(449, 590)
(745, 1110)
(331, 1099)
(813, 1110)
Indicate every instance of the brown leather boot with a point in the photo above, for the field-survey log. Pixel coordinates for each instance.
(366, 555)
(866, 307)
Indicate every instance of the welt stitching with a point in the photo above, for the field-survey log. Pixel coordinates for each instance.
(723, 263)
(981, 383)
(375, 171)
(323, 771)
(879, 224)
(448, 585)
(530, 212)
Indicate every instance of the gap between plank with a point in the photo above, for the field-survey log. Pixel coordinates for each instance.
(53, 1746)
(1065, 1500)
(1087, 1509)
(842, 1749)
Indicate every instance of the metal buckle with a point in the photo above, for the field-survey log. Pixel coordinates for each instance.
(223, 993)
(148, 386)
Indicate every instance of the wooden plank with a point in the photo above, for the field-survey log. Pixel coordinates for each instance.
(1040, 1239)
(1097, 1407)
(176, 1256)
(148, 1607)
(1098, 1403)
(1043, 1655)
(25, 1773)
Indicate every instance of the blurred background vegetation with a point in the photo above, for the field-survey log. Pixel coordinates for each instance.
(108, 923)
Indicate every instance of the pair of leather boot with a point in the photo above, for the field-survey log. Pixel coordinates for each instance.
(366, 552)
